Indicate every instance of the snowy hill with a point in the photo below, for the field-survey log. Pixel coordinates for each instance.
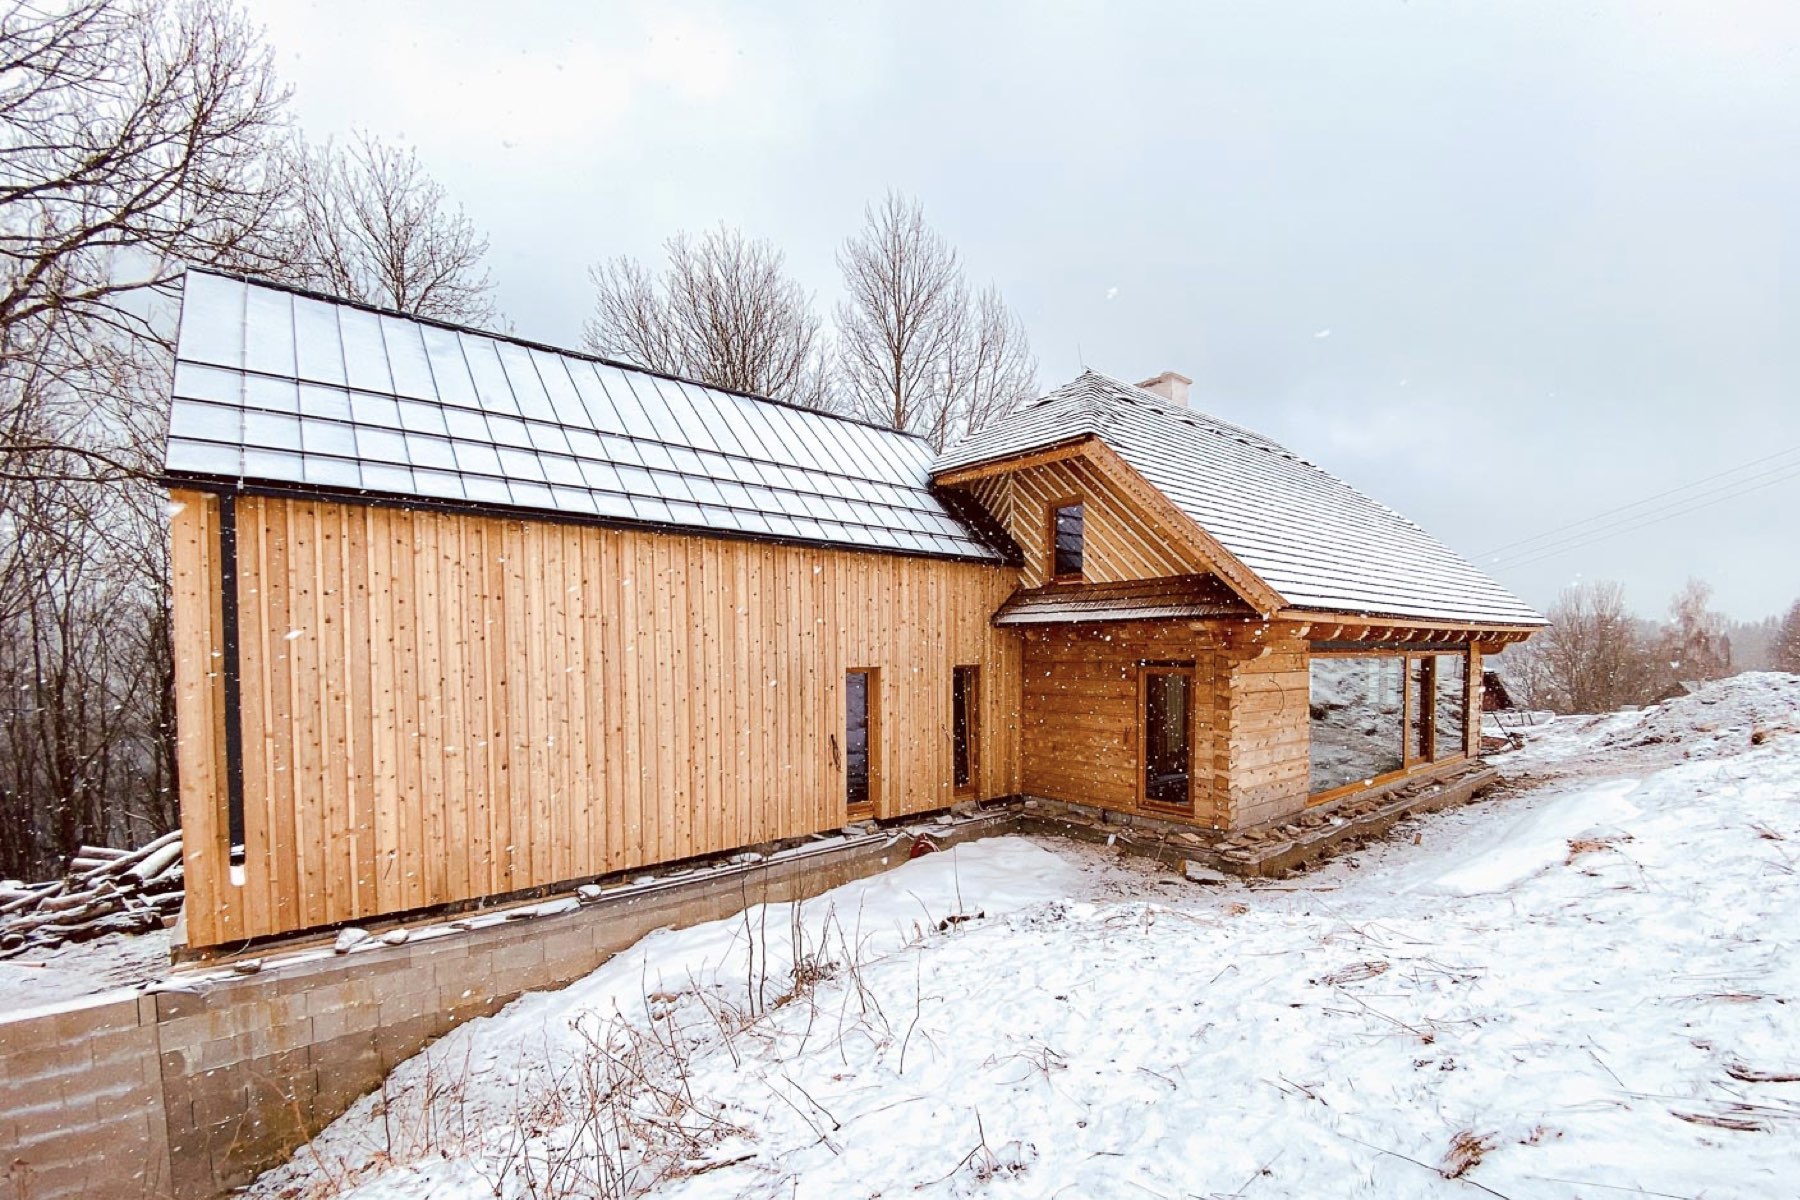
(1583, 989)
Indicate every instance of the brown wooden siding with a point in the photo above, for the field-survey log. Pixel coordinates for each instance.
(1266, 694)
(438, 707)
(1121, 542)
(1080, 729)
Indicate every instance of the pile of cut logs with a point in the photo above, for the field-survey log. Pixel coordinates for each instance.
(103, 891)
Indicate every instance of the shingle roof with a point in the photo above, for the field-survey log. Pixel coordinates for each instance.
(1310, 536)
(1185, 596)
(281, 387)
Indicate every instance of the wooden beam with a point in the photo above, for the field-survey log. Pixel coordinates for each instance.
(958, 476)
(1470, 628)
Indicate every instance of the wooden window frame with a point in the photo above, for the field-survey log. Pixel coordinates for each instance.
(1411, 764)
(1142, 767)
(1469, 710)
(1421, 727)
(972, 736)
(1054, 507)
(872, 690)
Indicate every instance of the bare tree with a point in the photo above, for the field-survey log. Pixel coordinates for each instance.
(86, 686)
(134, 139)
(915, 351)
(724, 312)
(1592, 658)
(366, 222)
(131, 140)
(1786, 654)
(1694, 644)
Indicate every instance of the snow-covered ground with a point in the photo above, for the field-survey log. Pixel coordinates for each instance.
(1580, 990)
(116, 960)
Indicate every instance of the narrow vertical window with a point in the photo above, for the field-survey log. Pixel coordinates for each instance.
(1451, 722)
(1420, 706)
(1168, 749)
(965, 725)
(1066, 538)
(859, 731)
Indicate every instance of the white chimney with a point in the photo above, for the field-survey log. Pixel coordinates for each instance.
(1170, 385)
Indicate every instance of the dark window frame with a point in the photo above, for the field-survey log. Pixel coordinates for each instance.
(965, 728)
(1057, 509)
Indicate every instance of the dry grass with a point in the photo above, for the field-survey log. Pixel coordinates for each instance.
(1466, 1150)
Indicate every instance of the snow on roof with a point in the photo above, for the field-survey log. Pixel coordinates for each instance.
(1310, 536)
(281, 387)
(1133, 600)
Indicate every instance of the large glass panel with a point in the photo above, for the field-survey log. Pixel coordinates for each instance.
(856, 737)
(1358, 719)
(1452, 704)
(1166, 738)
(1068, 540)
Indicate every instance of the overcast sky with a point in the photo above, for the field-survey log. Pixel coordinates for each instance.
(1503, 266)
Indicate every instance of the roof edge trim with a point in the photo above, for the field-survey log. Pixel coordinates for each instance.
(221, 484)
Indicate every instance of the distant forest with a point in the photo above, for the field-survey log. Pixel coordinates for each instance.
(1598, 655)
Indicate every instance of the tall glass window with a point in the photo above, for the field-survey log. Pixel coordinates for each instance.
(1066, 533)
(965, 725)
(1358, 718)
(1167, 752)
(1452, 704)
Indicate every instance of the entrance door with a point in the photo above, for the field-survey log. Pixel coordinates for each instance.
(1168, 737)
(859, 740)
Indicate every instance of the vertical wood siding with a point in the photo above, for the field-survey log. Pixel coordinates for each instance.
(439, 707)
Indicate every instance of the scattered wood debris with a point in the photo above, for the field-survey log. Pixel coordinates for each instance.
(103, 891)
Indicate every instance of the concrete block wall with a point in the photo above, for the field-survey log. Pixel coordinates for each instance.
(81, 1103)
(186, 1093)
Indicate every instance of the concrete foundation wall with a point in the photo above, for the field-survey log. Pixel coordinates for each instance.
(188, 1092)
(81, 1103)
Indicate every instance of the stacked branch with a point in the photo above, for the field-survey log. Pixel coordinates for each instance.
(103, 891)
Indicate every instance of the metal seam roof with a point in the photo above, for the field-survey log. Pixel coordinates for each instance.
(284, 387)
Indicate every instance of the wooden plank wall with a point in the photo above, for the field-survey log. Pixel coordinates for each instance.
(1266, 690)
(1080, 729)
(1121, 543)
(439, 707)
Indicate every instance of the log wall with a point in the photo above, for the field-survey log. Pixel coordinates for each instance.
(1081, 728)
(438, 707)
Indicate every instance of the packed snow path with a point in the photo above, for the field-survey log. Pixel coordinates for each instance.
(1590, 989)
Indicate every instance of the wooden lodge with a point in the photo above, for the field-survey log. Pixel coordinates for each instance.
(460, 616)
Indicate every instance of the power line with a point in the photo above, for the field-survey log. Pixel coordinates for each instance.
(1686, 487)
(1644, 520)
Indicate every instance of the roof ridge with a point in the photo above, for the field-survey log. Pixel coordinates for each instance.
(533, 344)
(1195, 413)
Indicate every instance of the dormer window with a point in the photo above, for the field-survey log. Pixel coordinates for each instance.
(1065, 540)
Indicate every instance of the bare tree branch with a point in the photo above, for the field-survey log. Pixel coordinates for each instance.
(724, 312)
(915, 351)
(364, 221)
